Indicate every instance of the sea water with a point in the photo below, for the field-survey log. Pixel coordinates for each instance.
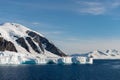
(100, 70)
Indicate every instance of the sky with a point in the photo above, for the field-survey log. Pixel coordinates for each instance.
(75, 26)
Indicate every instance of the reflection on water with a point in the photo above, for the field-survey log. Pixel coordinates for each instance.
(116, 66)
(100, 70)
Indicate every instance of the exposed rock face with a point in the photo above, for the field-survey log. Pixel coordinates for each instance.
(32, 44)
(48, 46)
(6, 45)
(39, 43)
(22, 42)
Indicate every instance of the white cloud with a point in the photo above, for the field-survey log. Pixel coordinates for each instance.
(94, 7)
(49, 33)
(115, 4)
(97, 7)
(36, 23)
(94, 11)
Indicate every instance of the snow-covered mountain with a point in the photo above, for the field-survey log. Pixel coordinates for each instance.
(108, 54)
(18, 39)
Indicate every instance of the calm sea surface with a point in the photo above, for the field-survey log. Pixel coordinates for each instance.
(100, 70)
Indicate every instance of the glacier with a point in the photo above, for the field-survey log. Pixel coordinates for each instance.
(16, 58)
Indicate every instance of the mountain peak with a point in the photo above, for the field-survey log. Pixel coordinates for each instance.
(10, 24)
(15, 25)
(25, 40)
(112, 51)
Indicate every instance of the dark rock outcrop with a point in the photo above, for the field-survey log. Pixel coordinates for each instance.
(32, 44)
(48, 46)
(39, 43)
(22, 42)
(6, 45)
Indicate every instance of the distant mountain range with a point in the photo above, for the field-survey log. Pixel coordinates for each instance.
(108, 54)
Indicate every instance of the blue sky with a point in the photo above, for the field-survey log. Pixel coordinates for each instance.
(75, 26)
